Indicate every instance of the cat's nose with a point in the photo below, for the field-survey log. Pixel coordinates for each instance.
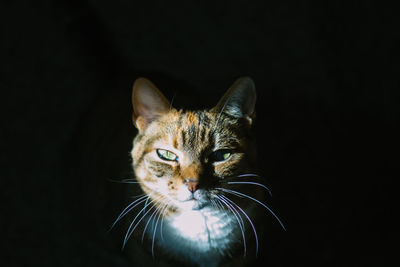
(192, 184)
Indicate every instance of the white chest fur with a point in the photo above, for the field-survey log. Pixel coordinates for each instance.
(195, 233)
(207, 229)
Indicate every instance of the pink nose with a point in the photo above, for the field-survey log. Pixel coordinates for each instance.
(192, 184)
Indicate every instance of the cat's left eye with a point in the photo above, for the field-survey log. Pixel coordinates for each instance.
(221, 155)
(166, 155)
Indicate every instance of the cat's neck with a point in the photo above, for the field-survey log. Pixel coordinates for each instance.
(207, 228)
(203, 232)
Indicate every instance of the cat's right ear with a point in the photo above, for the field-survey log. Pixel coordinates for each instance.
(239, 101)
(148, 103)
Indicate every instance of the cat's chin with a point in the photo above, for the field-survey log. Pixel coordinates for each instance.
(192, 204)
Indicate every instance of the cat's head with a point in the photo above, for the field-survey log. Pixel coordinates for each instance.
(182, 157)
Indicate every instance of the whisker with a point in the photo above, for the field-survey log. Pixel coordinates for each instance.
(162, 219)
(240, 222)
(248, 219)
(256, 200)
(248, 182)
(249, 175)
(232, 192)
(138, 196)
(253, 183)
(127, 210)
(215, 204)
(147, 200)
(125, 181)
(127, 235)
(234, 211)
(155, 230)
(151, 216)
(130, 232)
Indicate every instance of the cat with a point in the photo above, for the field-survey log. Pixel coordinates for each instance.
(202, 196)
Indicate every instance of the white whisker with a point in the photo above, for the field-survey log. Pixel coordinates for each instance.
(125, 181)
(130, 232)
(127, 210)
(248, 219)
(240, 221)
(148, 221)
(162, 220)
(256, 200)
(155, 229)
(253, 183)
(249, 175)
(216, 204)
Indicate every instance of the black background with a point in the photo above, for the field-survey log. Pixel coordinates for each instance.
(328, 94)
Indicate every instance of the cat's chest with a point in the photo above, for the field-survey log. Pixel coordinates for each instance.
(201, 226)
(203, 230)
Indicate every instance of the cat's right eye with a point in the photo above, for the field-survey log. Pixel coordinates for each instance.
(221, 155)
(166, 155)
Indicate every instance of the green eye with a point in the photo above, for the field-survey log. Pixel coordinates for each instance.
(166, 155)
(221, 155)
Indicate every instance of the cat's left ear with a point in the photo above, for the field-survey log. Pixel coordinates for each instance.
(240, 100)
(148, 103)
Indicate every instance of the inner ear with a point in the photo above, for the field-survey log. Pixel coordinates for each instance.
(148, 103)
(240, 99)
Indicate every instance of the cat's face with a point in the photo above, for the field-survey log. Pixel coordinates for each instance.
(180, 158)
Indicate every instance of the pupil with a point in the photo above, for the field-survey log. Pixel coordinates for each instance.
(221, 155)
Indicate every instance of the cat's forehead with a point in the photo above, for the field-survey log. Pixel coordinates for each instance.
(189, 129)
(193, 130)
(176, 121)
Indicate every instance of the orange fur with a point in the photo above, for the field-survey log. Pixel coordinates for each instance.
(194, 138)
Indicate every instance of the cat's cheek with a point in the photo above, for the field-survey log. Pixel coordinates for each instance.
(223, 170)
(182, 193)
(229, 168)
(140, 173)
(146, 179)
(163, 189)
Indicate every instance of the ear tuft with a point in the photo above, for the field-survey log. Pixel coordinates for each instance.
(240, 99)
(148, 103)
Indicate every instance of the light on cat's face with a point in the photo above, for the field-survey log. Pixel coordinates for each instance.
(180, 157)
(179, 173)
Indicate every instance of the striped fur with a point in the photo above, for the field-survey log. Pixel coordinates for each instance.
(193, 136)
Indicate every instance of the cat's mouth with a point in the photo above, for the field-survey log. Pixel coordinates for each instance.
(193, 200)
(194, 203)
